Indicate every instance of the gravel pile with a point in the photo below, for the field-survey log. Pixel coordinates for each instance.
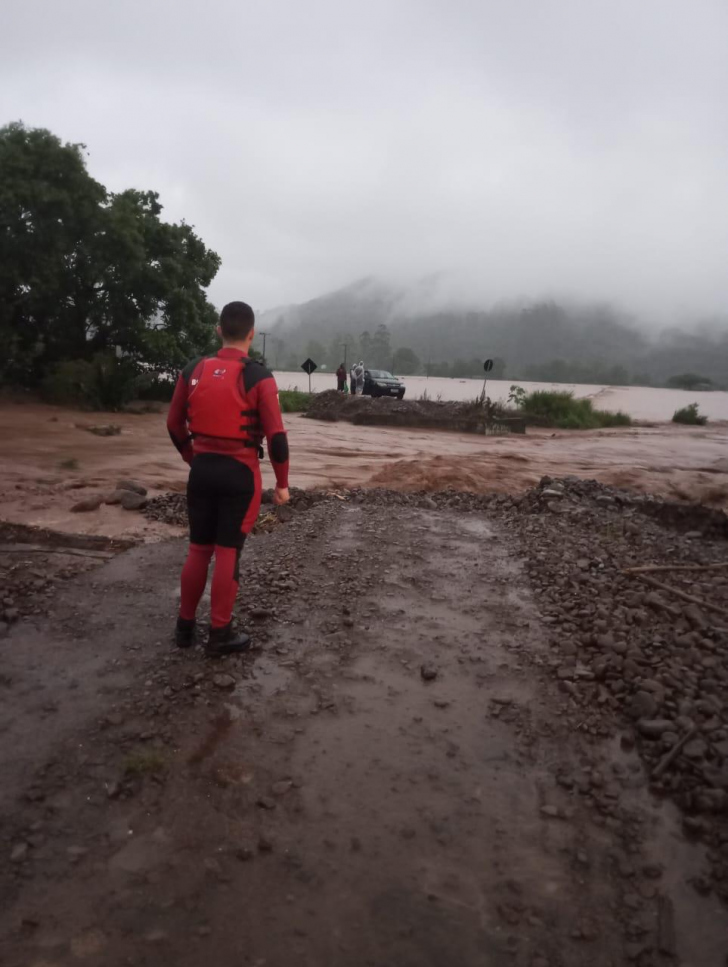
(465, 417)
(633, 655)
(635, 659)
(172, 508)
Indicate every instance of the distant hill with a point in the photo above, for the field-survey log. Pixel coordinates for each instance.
(413, 328)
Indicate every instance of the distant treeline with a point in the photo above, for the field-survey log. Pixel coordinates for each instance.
(545, 341)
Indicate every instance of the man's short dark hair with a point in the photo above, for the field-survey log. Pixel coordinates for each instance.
(236, 321)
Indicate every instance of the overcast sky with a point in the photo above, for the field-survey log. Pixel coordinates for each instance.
(523, 146)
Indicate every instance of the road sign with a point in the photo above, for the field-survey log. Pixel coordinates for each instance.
(309, 367)
(487, 366)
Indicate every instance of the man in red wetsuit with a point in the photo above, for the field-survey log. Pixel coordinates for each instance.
(223, 406)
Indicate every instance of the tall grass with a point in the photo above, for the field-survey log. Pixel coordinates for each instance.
(294, 401)
(560, 409)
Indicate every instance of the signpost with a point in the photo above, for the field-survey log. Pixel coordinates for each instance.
(309, 367)
(487, 366)
(264, 334)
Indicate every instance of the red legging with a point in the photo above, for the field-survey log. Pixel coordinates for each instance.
(224, 582)
(223, 500)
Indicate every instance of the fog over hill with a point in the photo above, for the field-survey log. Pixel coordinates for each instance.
(428, 324)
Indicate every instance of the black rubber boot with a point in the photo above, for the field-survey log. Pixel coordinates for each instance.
(184, 635)
(225, 641)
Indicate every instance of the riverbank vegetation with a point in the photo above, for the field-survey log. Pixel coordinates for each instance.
(294, 401)
(561, 410)
(690, 416)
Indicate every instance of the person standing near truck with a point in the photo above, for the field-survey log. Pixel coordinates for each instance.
(223, 406)
(359, 375)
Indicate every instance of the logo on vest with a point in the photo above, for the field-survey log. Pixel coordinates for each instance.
(219, 372)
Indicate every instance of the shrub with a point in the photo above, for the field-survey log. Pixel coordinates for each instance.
(294, 401)
(690, 416)
(156, 388)
(517, 396)
(102, 383)
(689, 381)
(560, 409)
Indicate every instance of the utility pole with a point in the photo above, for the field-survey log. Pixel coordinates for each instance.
(264, 334)
(345, 346)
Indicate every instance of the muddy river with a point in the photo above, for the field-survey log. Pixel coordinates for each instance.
(641, 402)
(51, 462)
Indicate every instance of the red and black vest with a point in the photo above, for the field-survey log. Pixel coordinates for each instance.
(217, 404)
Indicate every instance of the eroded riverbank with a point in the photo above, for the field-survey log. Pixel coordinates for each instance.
(52, 462)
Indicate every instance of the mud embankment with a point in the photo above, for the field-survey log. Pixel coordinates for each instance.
(457, 417)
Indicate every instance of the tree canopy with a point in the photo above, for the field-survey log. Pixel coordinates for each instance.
(85, 272)
(689, 381)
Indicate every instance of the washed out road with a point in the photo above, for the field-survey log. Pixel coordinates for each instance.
(376, 785)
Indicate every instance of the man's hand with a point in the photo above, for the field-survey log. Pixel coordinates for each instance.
(281, 496)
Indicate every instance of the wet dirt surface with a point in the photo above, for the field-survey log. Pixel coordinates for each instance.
(55, 463)
(378, 784)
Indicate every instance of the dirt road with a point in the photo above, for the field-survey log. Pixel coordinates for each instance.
(54, 462)
(383, 782)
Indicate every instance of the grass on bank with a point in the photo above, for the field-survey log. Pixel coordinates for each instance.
(294, 401)
(561, 410)
(690, 416)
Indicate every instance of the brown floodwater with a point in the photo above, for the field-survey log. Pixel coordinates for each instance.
(640, 402)
(50, 462)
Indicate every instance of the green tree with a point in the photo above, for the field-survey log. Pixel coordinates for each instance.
(381, 349)
(465, 368)
(406, 362)
(365, 348)
(49, 208)
(499, 368)
(316, 352)
(277, 354)
(642, 379)
(87, 274)
(335, 354)
(688, 381)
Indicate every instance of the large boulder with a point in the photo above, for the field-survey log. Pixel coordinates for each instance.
(87, 505)
(132, 485)
(133, 501)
